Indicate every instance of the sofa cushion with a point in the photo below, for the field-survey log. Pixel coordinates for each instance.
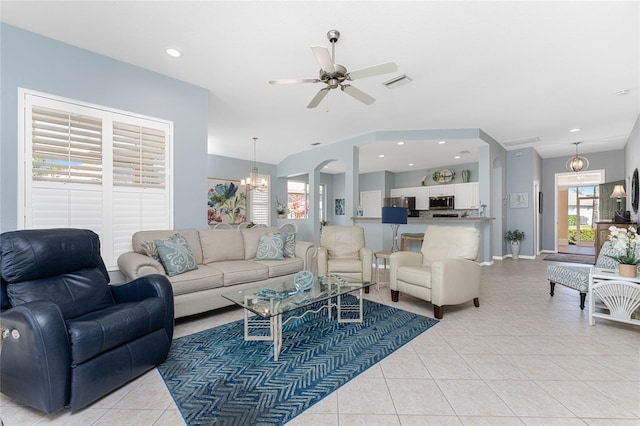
(192, 236)
(221, 244)
(99, 331)
(242, 271)
(204, 278)
(175, 254)
(270, 247)
(279, 268)
(289, 244)
(251, 237)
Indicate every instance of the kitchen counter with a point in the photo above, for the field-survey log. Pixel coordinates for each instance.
(411, 220)
(378, 235)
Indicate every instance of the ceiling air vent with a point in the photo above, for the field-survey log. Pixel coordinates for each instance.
(522, 141)
(398, 81)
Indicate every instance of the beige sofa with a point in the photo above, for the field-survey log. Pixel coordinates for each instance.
(226, 262)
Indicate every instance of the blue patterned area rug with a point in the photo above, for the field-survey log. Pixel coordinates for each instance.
(215, 377)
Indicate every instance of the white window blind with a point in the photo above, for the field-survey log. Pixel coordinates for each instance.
(259, 203)
(66, 147)
(91, 167)
(138, 155)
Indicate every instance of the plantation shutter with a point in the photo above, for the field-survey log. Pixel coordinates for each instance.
(138, 155)
(66, 147)
(90, 167)
(259, 203)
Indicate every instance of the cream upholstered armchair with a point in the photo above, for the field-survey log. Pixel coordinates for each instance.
(445, 271)
(342, 251)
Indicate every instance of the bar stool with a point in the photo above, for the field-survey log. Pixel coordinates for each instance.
(404, 238)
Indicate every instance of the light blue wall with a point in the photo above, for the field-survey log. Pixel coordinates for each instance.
(38, 63)
(414, 178)
(521, 181)
(611, 161)
(632, 162)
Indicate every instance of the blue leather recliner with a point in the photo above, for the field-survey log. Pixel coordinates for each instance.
(69, 337)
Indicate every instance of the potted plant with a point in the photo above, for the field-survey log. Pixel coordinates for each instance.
(625, 242)
(281, 209)
(514, 237)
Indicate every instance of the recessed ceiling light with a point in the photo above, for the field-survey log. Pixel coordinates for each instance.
(174, 53)
(326, 167)
(400, 143)
(442, 142)
(456, 157)
(622, 92)
(381, 155)
(575, 130)
(410, 164)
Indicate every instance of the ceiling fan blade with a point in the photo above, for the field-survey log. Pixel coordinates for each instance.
(324, 58)
(358, 94)
(318, 97)
(372, 71)
(294, 80)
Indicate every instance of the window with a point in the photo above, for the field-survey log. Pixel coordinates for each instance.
(297, 199)
(259, 203)
(91, 167)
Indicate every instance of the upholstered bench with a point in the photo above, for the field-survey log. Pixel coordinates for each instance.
(577, 277)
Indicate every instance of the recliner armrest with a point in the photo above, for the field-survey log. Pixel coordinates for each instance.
(454, 281)
(35, 367)
(155, 285)
(366, 256)
(401, 258)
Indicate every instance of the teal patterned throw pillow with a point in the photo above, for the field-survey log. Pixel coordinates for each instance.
(175, 254)
(270, 247)
(289, 244)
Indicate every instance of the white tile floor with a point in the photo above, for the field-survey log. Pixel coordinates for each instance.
(521, 358)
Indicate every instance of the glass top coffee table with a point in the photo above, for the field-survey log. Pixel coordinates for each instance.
(264, 306)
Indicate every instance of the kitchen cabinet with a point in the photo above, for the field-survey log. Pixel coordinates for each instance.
(440, 190)
(422, 198)
(466, 196)
(403, 192)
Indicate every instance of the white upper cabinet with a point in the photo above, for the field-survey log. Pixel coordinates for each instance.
(440, 190)
(403, 192)
(422, 198)
(466, 196)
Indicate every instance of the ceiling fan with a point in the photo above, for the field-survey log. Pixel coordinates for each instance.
(335, 75)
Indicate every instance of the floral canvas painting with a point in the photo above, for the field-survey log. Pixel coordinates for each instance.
(226, 202)
(339, 206)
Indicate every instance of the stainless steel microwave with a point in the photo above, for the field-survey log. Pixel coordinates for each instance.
(445, 202)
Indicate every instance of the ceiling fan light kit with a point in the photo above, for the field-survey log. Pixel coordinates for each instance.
(577, 163)
(334, 75)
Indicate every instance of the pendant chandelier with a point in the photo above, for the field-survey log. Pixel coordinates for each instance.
(577, 163)
(253, 182)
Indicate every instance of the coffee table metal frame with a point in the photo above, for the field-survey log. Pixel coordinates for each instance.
(265, 305)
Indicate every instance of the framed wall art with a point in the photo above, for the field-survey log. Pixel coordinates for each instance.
(226, 202)
(519, 200)
(339, 206)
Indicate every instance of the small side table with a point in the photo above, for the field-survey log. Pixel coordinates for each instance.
(384, 255)
(620, 295)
